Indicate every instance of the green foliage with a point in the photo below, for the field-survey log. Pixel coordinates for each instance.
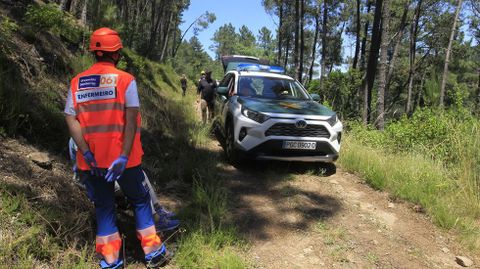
(430, 158)
(209, 250)
(44, 17)
(191, 59)
(225, 40)
(81, 63)
(28, 241)
(7, 28)
(228, 42)
(266, 43)
(204, 21)
(339, 91)
(246, 37)
(429, 132)
(49, 17)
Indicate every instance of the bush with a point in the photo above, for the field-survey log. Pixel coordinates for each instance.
(50, 17)
(429, 131)
(339, 90)
(7, 27)
(44, 17)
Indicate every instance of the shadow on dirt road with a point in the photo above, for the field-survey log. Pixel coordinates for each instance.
(265, 204)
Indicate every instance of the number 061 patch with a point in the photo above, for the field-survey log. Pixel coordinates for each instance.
(97, 81)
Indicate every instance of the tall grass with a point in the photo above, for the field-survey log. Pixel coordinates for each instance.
(432, 159)
(28, 240)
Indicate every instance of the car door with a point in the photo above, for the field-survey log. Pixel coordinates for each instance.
(222, 99)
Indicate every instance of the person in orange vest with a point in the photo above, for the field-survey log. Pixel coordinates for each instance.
(102, 114)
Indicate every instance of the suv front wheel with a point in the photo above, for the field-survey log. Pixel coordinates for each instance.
(233, 155)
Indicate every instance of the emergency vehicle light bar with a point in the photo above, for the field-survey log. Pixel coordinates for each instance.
(260, 67)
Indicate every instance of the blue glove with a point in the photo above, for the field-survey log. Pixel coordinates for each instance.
(116, 168)
(90, 159)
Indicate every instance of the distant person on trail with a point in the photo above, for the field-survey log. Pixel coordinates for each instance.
(183, 81)
(164, 221)
(202, 76)
(102, 114)
(206, 90)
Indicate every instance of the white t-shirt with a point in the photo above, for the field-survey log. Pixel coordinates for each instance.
(131, 99)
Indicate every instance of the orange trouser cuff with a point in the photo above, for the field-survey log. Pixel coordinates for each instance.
(149, 240)
(109, 248)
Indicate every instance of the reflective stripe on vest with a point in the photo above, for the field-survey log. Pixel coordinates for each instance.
(99, 107)
(105, 129)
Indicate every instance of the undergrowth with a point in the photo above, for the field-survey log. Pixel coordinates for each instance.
(432, 159)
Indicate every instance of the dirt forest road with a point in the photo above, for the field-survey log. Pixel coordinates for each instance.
(305, 216)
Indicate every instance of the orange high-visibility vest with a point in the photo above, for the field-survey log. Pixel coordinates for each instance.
(99, 101)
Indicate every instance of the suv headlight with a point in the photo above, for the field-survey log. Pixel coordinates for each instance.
(254, 115)
(333, 120)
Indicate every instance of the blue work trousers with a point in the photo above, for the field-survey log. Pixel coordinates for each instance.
(102, 194)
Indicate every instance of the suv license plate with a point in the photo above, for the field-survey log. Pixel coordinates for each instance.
(299, 145)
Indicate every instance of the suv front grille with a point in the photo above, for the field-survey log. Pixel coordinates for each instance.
(289, 129)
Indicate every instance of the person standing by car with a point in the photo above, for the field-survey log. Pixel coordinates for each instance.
(102, 114)
(183, 82)
(206, 91)
(202, 76)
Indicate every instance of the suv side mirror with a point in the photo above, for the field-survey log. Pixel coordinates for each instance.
(222, 91)
(315, 97)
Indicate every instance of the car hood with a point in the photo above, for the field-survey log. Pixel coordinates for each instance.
(307, 107)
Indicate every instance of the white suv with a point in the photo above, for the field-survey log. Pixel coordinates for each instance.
(263, 114)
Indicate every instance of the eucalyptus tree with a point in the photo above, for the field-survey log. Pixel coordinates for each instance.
(448, 52)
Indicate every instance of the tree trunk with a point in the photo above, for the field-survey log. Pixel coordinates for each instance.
(287, 48)
(396, 45)
(153, 33)
(280, 32)
(362, 60)
(420, 91)
(478, 93)
(314, 46)
(447, 54)
(174, 37)
(412, 54)
(167, 35)
(357, 42)
(65, 5)
(324, 43)
(297, 37)
(302, 41)
(372, 62)
(382, 67)
(364, 39)
(83, 16)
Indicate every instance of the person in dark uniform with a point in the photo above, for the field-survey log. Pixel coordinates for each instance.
(206, 90)
(183, 81)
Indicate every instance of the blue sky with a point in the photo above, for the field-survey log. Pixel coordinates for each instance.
(238, 12)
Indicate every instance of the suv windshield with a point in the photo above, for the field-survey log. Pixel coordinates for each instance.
(271, 88)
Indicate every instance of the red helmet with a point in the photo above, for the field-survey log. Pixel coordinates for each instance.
(105, 39)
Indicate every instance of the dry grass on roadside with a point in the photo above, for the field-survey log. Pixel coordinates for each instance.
(447, 195)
